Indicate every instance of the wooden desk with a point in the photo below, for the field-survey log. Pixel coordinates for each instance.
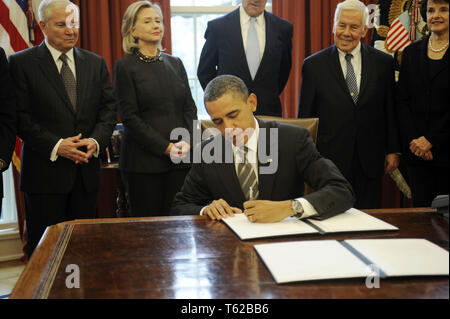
(192, 257)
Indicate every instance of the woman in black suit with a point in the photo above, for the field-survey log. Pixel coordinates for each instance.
(423, 102)
(154, 98)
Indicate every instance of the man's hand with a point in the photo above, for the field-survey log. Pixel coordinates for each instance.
(420, 146)
(91, 147)
(263, 211)
(392, 161)
(69, 148)
(219, 209)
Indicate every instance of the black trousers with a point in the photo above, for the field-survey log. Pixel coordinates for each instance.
(151, 195)
(43, 210)
(426, 183)
(367, 190)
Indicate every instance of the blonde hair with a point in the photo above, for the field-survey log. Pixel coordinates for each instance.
(129, 43)
(352, 5)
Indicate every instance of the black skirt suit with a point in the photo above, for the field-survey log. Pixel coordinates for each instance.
(154, 98)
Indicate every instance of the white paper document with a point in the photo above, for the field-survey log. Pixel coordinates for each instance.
(248, 230)
(330, 259)
(352, 220)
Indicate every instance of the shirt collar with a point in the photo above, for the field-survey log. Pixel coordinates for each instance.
(356, 51)
(56, 53)
(245, 18)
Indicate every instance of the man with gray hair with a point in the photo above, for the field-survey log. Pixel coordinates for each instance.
(66, 114)
(246, 183)
(350, 88)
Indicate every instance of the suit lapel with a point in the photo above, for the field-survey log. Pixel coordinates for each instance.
(50, 71)
(366, 70)
(236, 41)
(337, 70)
(265, 181)
(270, 41)
(227, 174)
(82, 78)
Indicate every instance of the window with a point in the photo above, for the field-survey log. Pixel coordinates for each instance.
(8, 217)
(189, 21)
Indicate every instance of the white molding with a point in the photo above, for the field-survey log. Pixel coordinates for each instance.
(10, 246)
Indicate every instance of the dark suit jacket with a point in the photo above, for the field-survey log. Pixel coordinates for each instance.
(370, 127)
(7, 116)
(46, 115)
(223, 53)
(154, 98)
(423, 104)
(298, 161)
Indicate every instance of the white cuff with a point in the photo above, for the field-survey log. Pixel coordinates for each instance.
(98, 148)
(54, 153)
(308, 209)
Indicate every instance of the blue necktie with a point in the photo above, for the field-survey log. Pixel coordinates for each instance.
(253, 53)
(351, 79)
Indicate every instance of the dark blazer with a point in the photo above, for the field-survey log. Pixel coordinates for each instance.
(423, 104)
(154, 98)
(46, 115)
(298, 161)
(223, 53)
(370, 127)
(7, 116)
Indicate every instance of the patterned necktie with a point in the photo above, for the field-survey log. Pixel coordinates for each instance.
(253, 54)
(247, 176)
(69, 81)
(351, 79)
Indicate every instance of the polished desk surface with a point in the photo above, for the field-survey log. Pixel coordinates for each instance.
(190, 257)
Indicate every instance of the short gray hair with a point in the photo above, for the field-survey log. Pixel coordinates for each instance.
(46, 8)
(224, 84)
(129, 43)
(352, 5)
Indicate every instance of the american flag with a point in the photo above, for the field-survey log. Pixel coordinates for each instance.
(19, 30)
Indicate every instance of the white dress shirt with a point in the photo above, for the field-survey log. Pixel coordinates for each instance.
(260, 27)
(252, 145)
(71, 63)
(356, 62)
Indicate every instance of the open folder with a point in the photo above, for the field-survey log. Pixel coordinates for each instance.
(352, 220)
(331, 259)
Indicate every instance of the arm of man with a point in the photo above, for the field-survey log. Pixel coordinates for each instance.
(42, 140)
(149, 139)
(306, 108)
(8, 115)
(106, 115)
(392, 135)
(286, 60)
(333, 193)
(194, 194)
(209, 58)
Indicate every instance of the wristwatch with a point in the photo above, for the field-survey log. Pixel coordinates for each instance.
(297, 208)
(2, 164)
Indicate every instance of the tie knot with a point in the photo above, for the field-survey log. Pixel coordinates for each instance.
(349, 57)
(252, 20)
(63, 57)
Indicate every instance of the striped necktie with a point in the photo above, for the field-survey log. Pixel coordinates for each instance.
(351, 79)
(69, 81)
(247, 176)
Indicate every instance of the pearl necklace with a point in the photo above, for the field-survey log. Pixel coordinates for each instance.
(437, 50)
